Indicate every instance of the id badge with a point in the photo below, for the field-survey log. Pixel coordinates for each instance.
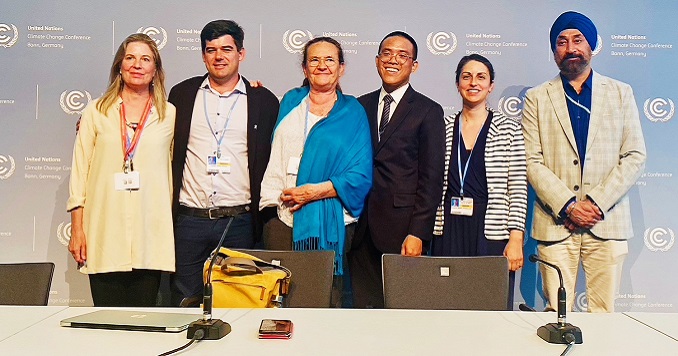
(212, 166)
(224, 164)
(293, 165)
(461, 206)
(127, 181)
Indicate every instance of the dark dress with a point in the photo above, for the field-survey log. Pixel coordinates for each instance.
(465, 235)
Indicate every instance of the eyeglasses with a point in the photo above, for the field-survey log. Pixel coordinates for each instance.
(401, 58)
(315, 61)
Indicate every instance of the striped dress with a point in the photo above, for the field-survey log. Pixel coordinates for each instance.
(505, 168)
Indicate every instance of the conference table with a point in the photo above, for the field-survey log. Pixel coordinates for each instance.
(14, 319)
(340, 332)
(666, 323)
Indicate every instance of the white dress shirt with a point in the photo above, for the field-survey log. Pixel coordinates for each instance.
(397, 96)
(227, 112)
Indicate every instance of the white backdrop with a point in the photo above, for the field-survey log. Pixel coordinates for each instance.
(56, 55)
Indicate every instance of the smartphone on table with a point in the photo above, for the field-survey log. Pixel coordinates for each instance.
(275, 329)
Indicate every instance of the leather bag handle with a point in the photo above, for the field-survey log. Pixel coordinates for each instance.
(240, 266)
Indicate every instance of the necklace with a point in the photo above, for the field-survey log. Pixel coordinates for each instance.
(132, 125)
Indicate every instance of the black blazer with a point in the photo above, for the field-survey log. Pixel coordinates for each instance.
(262, 113)
(408, 171)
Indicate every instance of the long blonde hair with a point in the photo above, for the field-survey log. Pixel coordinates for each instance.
(115, 84)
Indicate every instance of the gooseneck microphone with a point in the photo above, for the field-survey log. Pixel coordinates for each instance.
(560, 332)
(562, 296)
(214, 329)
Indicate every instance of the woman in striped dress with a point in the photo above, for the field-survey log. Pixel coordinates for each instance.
(484, 203)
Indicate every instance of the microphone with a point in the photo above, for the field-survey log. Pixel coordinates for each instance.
(213, 329)
(560, 332)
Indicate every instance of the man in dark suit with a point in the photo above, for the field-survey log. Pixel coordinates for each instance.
(222, 144)
(408, 138)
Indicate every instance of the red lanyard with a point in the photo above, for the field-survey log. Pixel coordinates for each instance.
(129, 147)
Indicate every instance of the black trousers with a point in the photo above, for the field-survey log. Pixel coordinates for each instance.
(194, 240)
(138, 288)
(364, 262)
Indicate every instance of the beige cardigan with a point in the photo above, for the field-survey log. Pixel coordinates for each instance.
(124, 230)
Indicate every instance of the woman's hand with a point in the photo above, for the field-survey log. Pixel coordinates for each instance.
(297, 197)
(78, 244)
(514, 250)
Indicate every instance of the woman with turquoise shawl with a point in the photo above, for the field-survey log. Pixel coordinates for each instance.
(320, 169)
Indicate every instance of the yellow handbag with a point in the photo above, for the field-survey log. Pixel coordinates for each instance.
(240, 280)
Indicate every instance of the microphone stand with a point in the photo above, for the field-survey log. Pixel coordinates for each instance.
(560, 332)
(212, 329)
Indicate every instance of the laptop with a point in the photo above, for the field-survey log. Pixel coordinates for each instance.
(132, 321)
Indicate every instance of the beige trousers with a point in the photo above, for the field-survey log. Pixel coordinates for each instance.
(602, 261)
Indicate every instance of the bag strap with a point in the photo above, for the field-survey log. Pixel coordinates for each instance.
(227, 254)
(239, 266)
(246, 261)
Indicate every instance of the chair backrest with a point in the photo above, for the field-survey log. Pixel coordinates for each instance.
(25, 283)
(312, 272)
(464, 283)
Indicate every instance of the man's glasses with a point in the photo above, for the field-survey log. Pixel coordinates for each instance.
(401, 58)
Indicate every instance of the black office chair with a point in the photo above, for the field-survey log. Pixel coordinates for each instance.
(312, 272)
(466, 283)
(25, 283)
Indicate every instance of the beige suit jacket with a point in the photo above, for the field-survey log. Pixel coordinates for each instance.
(615, 157)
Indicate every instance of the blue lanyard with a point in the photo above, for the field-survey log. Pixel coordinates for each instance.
(228, 119)
(308, 111)
(462, 176)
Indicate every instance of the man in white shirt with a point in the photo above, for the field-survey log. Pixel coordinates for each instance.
(221, 148)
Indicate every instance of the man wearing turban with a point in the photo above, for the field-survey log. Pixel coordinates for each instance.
(585, 150)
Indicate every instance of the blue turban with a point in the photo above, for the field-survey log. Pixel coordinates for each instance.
(574, 20)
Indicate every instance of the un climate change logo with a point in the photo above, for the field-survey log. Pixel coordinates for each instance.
(599, 46)
(511, 106)
(581, 302)
(438, 43)
(7, 166)
(659, 109)
(74, 101)
(154, 32)
(8, 35)
(64, 233)
(659, 239)
(294, 40)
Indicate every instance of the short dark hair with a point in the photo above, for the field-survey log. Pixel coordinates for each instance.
(474, 57)
(218, 28)
(405, 36)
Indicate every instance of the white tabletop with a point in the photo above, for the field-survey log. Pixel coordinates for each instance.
(355, 332)
(666, 323)
(14, 319)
